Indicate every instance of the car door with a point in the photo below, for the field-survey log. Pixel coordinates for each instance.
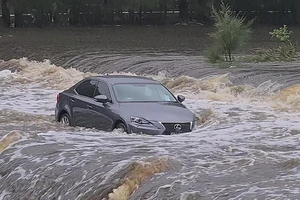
(101, 112)
(80, 103)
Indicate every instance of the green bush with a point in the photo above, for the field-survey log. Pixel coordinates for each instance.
(261, 56)
(230, 35)
(286, 50)
(214, 55)
(282, 34)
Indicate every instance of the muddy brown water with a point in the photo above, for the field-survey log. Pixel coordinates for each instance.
(246, 145)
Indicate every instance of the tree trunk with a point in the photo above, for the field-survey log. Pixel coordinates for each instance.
(19, 20)
(140, 15)
(74, 16)
(165, 13)
(281, 15)
(183, 9)
(295, 10)
(5, 13)
(131, 16)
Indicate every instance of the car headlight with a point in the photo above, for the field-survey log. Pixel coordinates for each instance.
(194, 125)
(139, 120)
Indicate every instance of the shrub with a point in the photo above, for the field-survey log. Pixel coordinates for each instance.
(286, 50)
(282, 34)
(231, 34)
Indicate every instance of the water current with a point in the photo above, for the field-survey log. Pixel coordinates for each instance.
(246, 145)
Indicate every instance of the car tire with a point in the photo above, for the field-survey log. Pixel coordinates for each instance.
(122, 127)
(65, 119)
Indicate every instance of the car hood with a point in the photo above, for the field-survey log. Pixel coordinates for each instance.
(169, 112)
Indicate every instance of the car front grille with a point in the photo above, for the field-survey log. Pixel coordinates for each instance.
(171, 128)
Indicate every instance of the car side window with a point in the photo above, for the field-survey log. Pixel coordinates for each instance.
(102, 88)
(87, 88)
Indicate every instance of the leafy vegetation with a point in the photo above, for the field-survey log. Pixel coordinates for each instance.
(282, 34)
(230, 35)
(285, 51)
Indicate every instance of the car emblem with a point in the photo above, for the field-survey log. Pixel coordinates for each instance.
(177, 127)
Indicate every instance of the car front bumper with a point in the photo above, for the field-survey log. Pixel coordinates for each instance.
(141, 129)
(157, 129)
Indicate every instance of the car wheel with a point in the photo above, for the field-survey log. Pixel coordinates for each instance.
(65, 119)
(121, 127)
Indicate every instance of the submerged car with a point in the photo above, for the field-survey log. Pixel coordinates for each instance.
(131, 103)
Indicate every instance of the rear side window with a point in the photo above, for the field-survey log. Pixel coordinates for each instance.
(102, 88)
(87, 88)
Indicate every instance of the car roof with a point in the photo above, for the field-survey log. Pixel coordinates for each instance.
(115, 79)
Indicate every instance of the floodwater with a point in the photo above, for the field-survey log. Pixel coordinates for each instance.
(246, 145)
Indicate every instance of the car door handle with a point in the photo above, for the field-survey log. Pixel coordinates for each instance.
(89, 106)
(72, 100)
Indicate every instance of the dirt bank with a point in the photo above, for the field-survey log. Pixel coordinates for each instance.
(39, 44)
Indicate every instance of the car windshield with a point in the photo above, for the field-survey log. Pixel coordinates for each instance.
(140, 92)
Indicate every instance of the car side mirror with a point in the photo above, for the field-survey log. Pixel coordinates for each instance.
(102, 98)
(181, 98)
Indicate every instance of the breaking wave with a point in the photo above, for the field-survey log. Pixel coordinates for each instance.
(246, 128)
(214, 88)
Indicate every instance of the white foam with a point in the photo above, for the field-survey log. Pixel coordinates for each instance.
(5, 74)
(4, 194)
(239, 124)
(29, 98)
